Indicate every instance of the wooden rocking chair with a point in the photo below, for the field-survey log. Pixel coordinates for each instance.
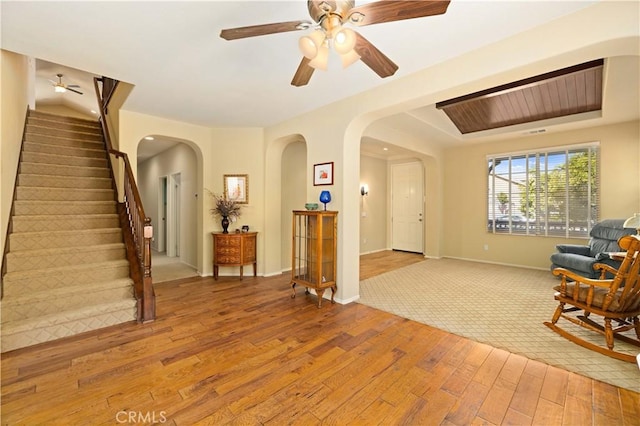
(616, 299)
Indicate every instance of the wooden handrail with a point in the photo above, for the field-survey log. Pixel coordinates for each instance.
(137, 230)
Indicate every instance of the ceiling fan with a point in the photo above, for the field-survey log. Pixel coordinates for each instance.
(60, 87)
(330, 28)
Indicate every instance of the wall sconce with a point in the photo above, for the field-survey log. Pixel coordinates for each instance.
(364, 189)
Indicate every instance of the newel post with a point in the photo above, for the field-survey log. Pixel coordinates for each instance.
(149, 303)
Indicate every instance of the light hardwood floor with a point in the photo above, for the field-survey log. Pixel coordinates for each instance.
(245, 352)
(383, 261)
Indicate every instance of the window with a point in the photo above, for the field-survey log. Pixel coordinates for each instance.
(551, 193)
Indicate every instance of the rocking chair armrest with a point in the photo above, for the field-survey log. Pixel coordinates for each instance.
(604, 268)
(580, 279)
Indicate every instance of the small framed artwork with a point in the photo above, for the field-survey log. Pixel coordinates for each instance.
(323, 174)
(236, 188)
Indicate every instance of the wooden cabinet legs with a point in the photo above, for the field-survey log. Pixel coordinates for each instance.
(319, 293)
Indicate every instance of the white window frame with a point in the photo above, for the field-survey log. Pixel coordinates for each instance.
(534, 224)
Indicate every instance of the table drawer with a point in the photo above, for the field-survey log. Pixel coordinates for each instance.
(227, 241)
(232, 251)
(228, 259)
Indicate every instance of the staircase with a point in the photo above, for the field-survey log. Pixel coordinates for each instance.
(66, 266)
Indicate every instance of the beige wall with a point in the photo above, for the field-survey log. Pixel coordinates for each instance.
(14, 95)
(122, 91)
(373, 207)
(218, 151)
(466, 193)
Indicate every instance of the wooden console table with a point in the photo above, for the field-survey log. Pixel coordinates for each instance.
(234, 250)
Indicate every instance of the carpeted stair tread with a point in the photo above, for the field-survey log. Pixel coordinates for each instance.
(37, 114)
(43, 193)
(37, 223)
(47, 295)
(90, 136)
(18, 334)
(67, 160)
(67, 250)
(44, 169)
(56, 300)
(56, 207)
(76, 314)
(76, 125)
(63, 141)
(54, 181)
(65, 256)
(35, 280)
(20, 241)
(87, 126)
(71, 151)
(67, 269)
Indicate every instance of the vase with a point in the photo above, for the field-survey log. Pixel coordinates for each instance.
(325, 197)
(225, 225)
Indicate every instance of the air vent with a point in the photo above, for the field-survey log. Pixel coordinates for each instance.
(535, 132)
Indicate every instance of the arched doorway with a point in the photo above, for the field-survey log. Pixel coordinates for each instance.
(167, 179)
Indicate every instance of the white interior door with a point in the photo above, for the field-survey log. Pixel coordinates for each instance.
(407, 207)
(162, 215)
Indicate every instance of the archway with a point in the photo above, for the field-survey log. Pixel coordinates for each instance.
(285, 170)
(168, 176)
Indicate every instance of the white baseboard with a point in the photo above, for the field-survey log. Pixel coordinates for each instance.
(515, 265)
(349, 300)
(374, 251)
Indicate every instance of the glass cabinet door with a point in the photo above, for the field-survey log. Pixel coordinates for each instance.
(314, 250)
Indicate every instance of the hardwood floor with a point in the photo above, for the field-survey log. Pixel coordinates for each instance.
(382, 261)
(245, 352)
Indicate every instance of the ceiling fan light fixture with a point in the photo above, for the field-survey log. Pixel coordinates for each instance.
(321, 60)
(356, 17)
(349, 58)
(344, 40)
(59, 89)
(310, 45)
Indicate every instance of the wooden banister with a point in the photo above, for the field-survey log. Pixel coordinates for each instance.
(136, 226)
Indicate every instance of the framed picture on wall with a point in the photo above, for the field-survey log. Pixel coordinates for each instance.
(323, 174)
(236, 188)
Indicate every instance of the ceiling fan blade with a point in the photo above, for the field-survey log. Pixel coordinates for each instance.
(72, 85)
(74, 91)
(373, 58)
(260, 30)
(389, 11)
(303, 73)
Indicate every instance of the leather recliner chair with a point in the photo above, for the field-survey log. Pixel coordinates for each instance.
(581, 258)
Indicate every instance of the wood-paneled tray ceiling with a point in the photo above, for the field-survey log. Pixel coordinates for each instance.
(567, 91)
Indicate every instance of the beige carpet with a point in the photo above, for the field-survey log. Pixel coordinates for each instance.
(498, 305)
(164, 268)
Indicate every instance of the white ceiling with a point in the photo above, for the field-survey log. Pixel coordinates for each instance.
(181, 69)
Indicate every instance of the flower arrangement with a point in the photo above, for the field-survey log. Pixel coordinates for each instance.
(224, 207)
